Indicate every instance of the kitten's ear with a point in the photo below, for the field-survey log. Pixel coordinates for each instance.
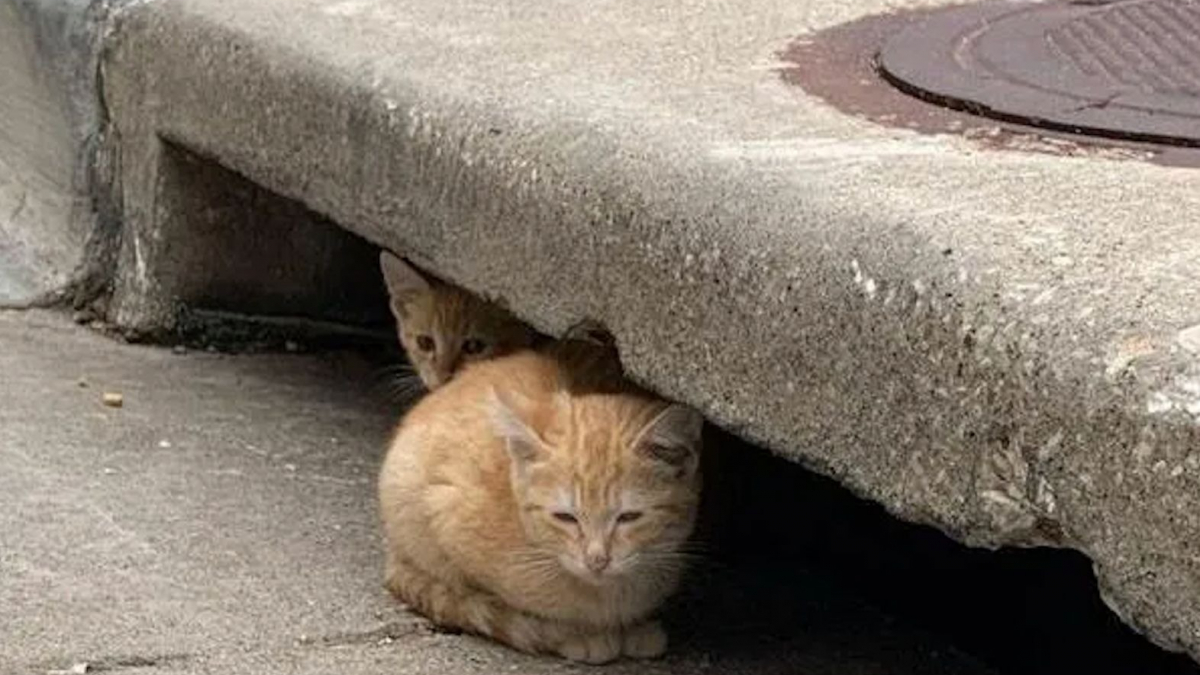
(523, 443)
(590, 330)
(673, 438)
(403, 281)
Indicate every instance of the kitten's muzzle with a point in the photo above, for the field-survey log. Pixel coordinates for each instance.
(597, 561)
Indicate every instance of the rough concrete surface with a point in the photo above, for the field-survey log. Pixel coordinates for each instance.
(993, 342)
(53, 230)
(223, 521)
(286, 260)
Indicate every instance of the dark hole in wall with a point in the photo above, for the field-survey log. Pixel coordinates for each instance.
(794, 562)
(1020, 611)
(256, 268)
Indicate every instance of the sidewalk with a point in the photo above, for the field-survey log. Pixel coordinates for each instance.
(223, 521)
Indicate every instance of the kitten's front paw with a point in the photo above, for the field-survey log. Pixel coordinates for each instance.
(596, 648)
(644, 641)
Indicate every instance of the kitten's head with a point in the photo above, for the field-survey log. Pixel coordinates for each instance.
(443, 327)
(607, 483)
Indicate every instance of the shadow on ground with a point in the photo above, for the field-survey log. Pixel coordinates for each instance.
(789, 537)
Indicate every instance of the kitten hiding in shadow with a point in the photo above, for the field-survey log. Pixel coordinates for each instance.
(442, 327)
(540, 501)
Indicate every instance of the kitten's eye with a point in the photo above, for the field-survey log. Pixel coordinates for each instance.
(473, 346)
(425, 343)
(629, 517)
(565, 517)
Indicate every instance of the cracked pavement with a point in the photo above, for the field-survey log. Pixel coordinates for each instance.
(223, 521)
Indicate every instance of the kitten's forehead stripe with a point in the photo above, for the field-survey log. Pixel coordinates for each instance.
(599, 434)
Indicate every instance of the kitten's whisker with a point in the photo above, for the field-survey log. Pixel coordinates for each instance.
(695, 545)
(536, 567)
(532, 559)
(406, 386)
(673, 550)
(400, 383)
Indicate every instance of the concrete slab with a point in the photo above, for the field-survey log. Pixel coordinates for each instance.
(223, 520)
(992, 342)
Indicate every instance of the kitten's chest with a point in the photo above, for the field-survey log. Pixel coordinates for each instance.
(563, 597)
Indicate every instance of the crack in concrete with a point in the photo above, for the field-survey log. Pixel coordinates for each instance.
(22, 202)
(111, 664)
(381, 635)
(384, 634)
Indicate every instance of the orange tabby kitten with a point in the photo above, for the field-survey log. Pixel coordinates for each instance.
(541, 500)
(442, 327)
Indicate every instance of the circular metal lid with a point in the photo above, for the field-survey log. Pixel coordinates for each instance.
(1127, 69)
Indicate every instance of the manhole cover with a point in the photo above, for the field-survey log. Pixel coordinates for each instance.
(1127, 69)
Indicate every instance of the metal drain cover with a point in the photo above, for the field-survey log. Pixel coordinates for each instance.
(1127, 69)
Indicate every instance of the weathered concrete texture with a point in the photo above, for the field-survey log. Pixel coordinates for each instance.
(995, 343)
(252, 252)
(52, 232)
(224, 521)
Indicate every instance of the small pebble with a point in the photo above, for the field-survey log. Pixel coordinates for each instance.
(83, 384)
(113, 399)
(164, 444)
(291, 346)
(179, 349)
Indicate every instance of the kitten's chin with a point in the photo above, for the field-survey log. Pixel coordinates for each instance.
(608, 576)
(598, 579)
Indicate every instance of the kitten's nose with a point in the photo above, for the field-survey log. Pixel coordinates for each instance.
(596, 558)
